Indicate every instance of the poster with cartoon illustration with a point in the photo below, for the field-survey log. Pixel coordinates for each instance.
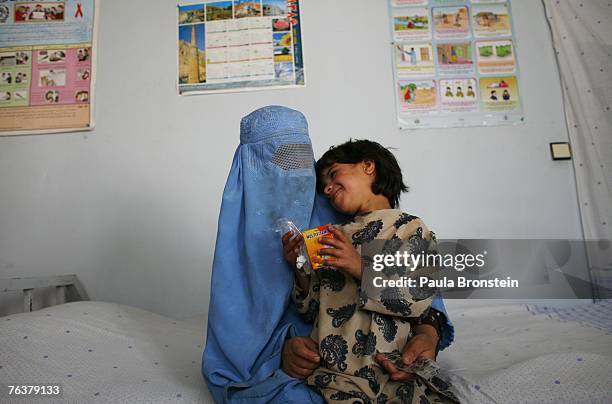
(495, 57)
(417, 96)
(459, 95)
(400, 3)
(47, 69)
(488, 1)
(455, 58)
(490, 20)
(239, 45)
(462, 71)
(411, 23)
(414, 60)
(499, 93)
(451, 22)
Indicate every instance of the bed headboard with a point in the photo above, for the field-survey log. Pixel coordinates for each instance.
(64, 285)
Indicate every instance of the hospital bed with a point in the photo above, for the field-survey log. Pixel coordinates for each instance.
(106, 352)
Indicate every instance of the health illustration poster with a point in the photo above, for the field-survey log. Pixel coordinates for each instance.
(47, 69)
(454, 63)
(239, 45)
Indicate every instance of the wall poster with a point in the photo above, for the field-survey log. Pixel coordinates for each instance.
(239, 45)
(454, 63)
(47, 66)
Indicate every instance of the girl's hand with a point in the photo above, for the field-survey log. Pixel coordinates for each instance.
(343, 255)
(291, 247)
(422, 345)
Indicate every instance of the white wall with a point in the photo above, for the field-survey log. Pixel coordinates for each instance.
(132, 206)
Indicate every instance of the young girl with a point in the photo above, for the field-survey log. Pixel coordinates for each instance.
(351, 324)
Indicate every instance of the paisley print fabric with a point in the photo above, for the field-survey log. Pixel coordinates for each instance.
(341, 315)
(351, 325)
(334, 349)
(367, 233)
(386, 326)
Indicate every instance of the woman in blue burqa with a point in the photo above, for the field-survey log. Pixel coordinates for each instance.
(258, 349)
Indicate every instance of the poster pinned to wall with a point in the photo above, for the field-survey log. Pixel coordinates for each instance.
(454, 63)
(47, 66)
(239, 45)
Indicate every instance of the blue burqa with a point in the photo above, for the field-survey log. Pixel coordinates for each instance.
(250, 313)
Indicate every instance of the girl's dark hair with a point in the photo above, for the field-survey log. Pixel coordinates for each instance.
(388, 181)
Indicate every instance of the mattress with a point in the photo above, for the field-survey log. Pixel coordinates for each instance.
(530, 353)
(104, 353)
(506, 353)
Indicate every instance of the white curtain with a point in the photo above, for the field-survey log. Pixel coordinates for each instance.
(582, 37)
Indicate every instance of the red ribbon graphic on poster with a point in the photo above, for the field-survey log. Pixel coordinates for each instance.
(79, 11)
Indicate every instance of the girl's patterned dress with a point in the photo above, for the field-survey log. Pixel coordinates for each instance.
(350, 326)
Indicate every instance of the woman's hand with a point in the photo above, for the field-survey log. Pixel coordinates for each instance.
(422, 345)
(291, 247)
(291, 250)
(300, 357)
(342, 255)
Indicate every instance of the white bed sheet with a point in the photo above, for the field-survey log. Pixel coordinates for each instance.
(104, 352)
(508, 354)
